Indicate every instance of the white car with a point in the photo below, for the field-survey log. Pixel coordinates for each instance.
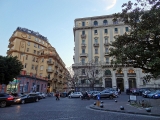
(76, 95)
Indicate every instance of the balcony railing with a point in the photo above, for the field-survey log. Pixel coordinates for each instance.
(83, 55)
(83, 36)
(10, 45)
(131, 74)
(106, 53)
(49, 70)
(83, 45)
(56, 72)
(109, 75)
(106, 43)
(119, 74)
(50, 62)
(56, 65)
(96, 44)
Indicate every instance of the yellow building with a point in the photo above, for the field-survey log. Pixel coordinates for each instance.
(40, 60)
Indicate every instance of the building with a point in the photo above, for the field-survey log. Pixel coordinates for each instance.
(92, 38)
(44, 70)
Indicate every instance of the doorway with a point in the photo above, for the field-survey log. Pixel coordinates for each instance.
(132, 83)
(120, 84)
(108, 83)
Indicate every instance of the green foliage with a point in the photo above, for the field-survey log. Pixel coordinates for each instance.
(141, 46)
(10, 67)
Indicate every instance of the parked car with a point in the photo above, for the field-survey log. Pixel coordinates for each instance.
(104, 94)
(75, 95)
(6, 100)
(42, 95)
(146, 92)
(37, 95)
(154, 94)
(91, 93)
(26, 99)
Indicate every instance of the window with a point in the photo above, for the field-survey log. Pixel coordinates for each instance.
(126, 29)
(41, 68)
(116, 30)
(96, 59)
(83, 32)
(83, 41)
(34, 51)
(28, 43)
(36, 59)
(39, 46)
(36, 67)
(115, 22)
(105, 22)
(27, 49)
(83, 50)
(105, 30)
(95, 40)
(106, 50)
(29, 36)
(96, 51)
(26, 57)
(97, 71)
(25, 66)
(39, 40)
(33, 59)
(96, 81)
(83, 23)
(32, 67)
(42, 59)
(107, 60)
(36, 39)
(83, 61)
(95, 23)
(42, 42)
(95, 32)
(40, 75)
(83, 71)
(37, 52)
(35, 45)
(106, 39)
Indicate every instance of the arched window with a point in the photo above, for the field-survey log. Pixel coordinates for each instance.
(105, 22)
(107, 72)
(95, 23)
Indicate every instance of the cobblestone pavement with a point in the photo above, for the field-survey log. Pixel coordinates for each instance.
(65, 109)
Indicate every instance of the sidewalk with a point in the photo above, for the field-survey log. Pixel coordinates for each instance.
(115, 107)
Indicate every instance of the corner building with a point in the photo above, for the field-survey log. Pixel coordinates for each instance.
(44, 70)
(92, 38)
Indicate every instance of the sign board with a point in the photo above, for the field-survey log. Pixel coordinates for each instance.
(98, 97)
(133, 97)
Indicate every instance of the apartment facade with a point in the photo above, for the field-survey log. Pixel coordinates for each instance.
(92, 38)
(43, 70)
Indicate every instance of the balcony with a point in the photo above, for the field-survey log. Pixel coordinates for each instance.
(50, 62)
(83, 55)
(96, 44)
(56, 65)
(83, 36)
(106, 54)
(60, 75)
(83, 45)
(131, 74)
(10, 51)
(49, 70)
(56, 72)
(119, 74)
(10, 45)
(106, 44)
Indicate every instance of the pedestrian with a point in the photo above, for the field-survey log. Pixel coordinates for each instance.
(57, 95)
(119, 91)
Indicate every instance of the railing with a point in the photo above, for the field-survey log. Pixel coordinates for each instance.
(49, 70)
(50, 62)
(96, 44)
(83, 55)
(106, 43)
(10, 45)
(83, 36)
(83, 45)
(106, 53)
(119, 74)
(131, 74)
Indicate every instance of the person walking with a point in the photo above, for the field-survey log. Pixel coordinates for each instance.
(119, 91)
(57, 95)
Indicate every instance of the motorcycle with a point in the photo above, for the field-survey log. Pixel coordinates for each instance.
(85, 97)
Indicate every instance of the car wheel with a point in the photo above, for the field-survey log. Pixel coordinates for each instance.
(3, 104)
(23, 101)
(110, 97)
(37, 99)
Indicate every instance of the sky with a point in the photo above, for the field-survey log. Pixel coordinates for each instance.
(53, 19)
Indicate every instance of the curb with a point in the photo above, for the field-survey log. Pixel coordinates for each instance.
(103, 109)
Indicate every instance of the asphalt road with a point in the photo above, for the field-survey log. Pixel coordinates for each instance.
(65, 109)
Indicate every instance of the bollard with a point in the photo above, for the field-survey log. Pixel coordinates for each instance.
(101, 101)
(148, 109)
(101, 105)
(94, 103)
(121, 107)
(115, 100)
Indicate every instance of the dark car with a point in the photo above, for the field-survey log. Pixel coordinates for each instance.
(104, 94)
(6, 100)
(36, 95)
(26, 99)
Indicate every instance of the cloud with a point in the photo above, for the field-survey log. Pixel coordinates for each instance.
(109, 4)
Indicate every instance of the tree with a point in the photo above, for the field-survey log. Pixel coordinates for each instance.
(93, 71)
(10, 68)
(140, 46)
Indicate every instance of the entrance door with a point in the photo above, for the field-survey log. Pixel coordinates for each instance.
(108, 83)
(120, 83)
(132, 82)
